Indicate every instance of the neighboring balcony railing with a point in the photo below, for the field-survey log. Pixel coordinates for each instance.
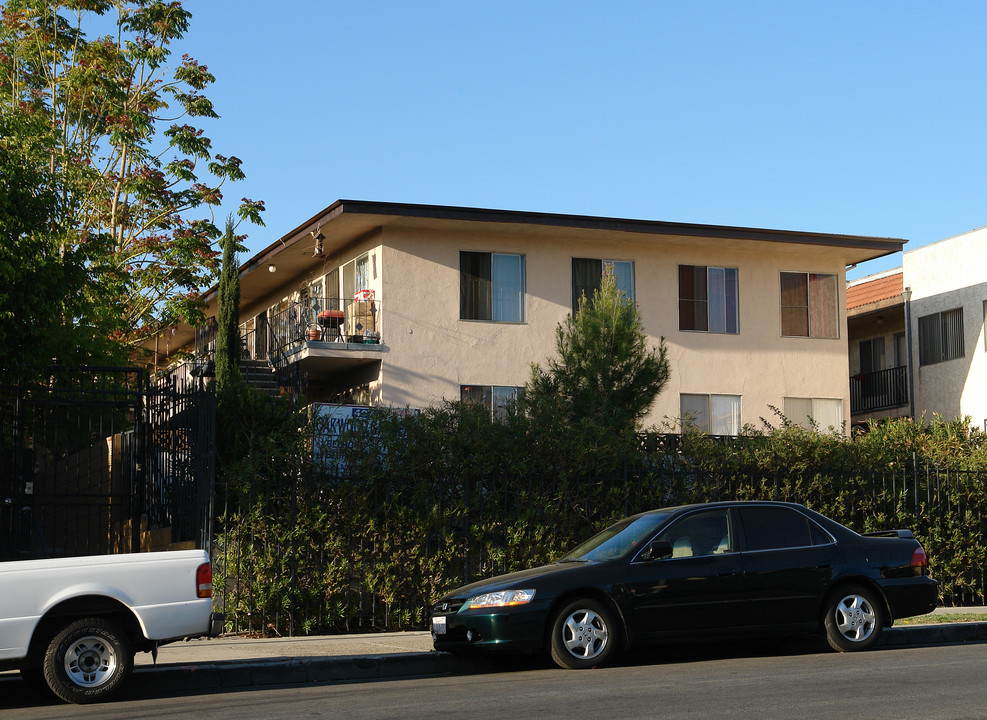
(881, 390)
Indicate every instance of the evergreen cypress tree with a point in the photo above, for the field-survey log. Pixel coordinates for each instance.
(228, 315)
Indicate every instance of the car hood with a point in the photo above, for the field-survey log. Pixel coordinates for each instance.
(532, 577)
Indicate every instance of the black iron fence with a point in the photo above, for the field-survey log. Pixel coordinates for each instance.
(98, 460)
(317, 555)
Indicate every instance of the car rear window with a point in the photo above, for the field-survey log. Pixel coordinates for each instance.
(774, 528)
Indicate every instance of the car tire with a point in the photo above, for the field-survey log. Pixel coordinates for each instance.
(584, 635)
(88, 660)
(854, 618)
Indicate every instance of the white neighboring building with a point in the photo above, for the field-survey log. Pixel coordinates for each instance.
(948, 281)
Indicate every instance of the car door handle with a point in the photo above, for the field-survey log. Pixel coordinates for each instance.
(728, 573)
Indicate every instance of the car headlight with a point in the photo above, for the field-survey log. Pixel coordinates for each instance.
(501, 598)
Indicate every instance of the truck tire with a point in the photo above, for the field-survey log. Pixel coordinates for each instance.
(88, 660)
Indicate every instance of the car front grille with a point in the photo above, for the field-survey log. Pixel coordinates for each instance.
(447, 606)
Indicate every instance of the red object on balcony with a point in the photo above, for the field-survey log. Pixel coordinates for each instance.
(331, 319)
(363, 295)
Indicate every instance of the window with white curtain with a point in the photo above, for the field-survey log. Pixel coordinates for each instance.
(711, 414)
(497, 398)
(708, 299)
(823, 413)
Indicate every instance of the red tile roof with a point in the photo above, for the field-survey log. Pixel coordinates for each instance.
(872, 291)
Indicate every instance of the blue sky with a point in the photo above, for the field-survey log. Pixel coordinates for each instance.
(862, 118)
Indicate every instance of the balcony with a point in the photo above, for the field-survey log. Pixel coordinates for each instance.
(316, 327)
(348, 330)
(881, 390)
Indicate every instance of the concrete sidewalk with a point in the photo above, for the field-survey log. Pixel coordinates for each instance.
(231, 661)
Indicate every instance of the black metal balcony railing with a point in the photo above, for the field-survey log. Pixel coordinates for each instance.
(322, 320)
(881, 390)
(308, 320)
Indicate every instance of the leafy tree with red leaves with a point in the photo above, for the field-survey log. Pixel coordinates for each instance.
(102, 125)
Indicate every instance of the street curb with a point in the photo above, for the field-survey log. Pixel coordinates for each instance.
(947, 633)
(287, 671)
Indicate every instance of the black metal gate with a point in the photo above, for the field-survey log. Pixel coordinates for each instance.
(101, 461)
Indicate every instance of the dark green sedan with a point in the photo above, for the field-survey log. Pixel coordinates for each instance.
(729, 569)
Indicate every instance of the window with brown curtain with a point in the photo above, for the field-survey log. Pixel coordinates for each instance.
(809, 305)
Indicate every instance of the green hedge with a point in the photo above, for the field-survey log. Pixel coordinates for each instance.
(447, 497)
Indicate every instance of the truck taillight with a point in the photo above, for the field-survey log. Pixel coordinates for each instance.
(919, 558)
(203, 580)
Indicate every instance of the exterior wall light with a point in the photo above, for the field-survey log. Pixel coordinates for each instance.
(272, 268)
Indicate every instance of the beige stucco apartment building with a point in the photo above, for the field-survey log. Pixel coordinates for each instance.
(409, 305)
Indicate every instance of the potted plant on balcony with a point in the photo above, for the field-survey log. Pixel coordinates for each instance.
(313, 332)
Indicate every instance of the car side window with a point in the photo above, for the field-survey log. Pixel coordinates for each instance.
(775, 528)
(701, 533)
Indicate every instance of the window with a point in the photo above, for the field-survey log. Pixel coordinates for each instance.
(824, 412)
(900, 350)
(711, 414)
(940, 337)
(587, 274)
(809, 305)
(708, 299)
(332, 290)
(495, 397)
(774, 528)
(491, 287)
(356, 276)
(872, 355)
(699, 534)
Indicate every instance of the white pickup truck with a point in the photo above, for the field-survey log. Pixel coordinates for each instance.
(74, 624)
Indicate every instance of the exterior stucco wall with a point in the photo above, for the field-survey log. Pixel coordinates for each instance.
(949, 274)
(431, 352)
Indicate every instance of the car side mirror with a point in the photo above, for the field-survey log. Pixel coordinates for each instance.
(657, 551)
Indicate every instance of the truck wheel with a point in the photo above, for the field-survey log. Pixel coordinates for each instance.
(88, 660)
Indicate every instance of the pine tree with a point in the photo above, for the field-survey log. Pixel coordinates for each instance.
(605, 374)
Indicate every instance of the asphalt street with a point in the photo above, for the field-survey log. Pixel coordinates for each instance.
(927, 682)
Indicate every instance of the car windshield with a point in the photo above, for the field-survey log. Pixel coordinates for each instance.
(617, 540)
